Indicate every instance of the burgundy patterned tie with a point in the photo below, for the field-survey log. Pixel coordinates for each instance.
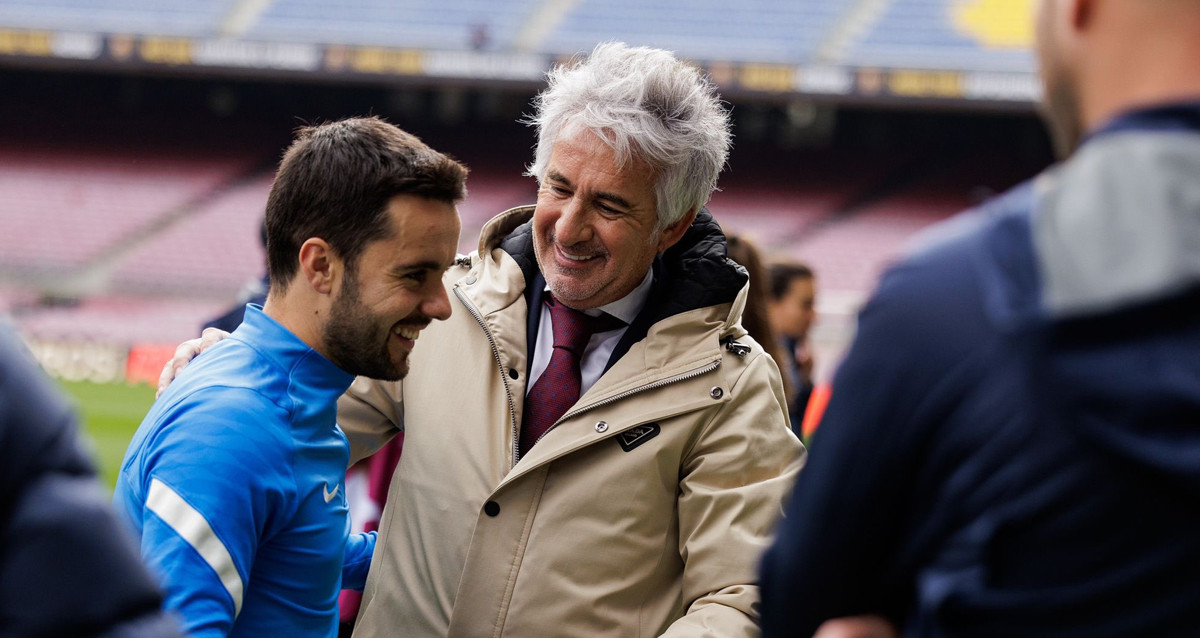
(559, 386)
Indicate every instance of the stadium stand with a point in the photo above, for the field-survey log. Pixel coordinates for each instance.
(433, 24)
(761, 31)
(948, 34)
(773, 196)
(929, 34)
(157, 17)
(850, 247)
(119, 319)
(210, 252)
(488, 194)
(63, 207)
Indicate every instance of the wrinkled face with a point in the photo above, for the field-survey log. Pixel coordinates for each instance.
(794, 312)
(395, 290)
(595, 228)
(1060, 98)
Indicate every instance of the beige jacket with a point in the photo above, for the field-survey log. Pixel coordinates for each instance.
(643, 512)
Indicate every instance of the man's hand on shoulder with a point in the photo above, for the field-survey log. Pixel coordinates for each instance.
(187, 351)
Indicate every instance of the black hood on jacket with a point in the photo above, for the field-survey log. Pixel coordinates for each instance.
(694, 273)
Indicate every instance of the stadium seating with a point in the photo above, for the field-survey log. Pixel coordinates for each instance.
(850, 249)
(774, 197)
(849, 253)
(210, 253)
(751, 31)
(933, 34)
(119, 319)
(490, 194)
(949, 34)
(434, 24)
(62, 208)
(154, 17)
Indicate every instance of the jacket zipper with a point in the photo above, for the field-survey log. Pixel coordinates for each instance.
(649, 386)
(512, 411)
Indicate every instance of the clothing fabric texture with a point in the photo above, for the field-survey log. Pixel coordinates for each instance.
(642, 512)
(1011, 446)
(67, 566)
(366, 494)
(234, 485)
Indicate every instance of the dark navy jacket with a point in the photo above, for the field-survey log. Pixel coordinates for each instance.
(1012, 447)
(67, 568)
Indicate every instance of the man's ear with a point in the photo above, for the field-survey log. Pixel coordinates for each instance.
(670, 235)
(319, 265)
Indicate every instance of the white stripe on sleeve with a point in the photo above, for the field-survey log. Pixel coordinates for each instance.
(191, 525)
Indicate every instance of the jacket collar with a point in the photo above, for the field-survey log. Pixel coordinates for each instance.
(694, 272)
(318, 379)
(1118, 224)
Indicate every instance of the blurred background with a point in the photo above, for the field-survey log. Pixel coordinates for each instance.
(138, 140)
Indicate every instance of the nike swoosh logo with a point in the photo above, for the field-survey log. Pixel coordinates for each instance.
(329, 495)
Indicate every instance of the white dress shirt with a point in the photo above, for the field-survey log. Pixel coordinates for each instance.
(600, 347)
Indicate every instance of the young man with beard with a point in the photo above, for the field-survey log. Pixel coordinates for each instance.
(234, 480)
(1011, 446)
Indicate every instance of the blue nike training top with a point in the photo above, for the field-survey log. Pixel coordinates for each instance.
(234, 484)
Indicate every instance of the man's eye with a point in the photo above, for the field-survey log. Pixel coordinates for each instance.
(418, 277)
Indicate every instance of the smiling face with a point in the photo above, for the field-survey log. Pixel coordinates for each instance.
(394, 291)
(595, 228)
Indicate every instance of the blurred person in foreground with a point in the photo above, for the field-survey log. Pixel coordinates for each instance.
(67, 567)
(1011, 447)
(613, 451)
(234, 481)
(791, 309)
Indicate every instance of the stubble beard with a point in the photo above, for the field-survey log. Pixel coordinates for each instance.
(355, 341)
(564, 286)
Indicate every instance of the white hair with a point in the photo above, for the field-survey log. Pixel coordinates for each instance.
(645, 104)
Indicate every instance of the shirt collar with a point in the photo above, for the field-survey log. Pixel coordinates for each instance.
(626, 308)
(1178, 116)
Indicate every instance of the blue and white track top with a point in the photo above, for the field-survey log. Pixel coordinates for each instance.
(234, 484)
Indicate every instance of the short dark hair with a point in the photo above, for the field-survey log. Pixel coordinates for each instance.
(335, 182)
(782, 275)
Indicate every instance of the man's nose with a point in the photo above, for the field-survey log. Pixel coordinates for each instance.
(573, 225)
(437, 303)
